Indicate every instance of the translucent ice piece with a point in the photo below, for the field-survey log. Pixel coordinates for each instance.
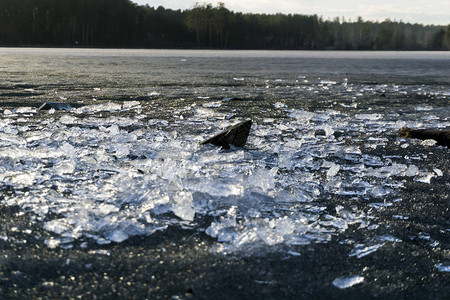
(104, 107)
(212, 104)
(372, 161)
(327, 82)
(25, 110)
(423, 107)
(270, 237)
(65, 167)
(100, 252)
(24, 178)
(388, 238)
(52, 243)
(412, 171)
(379, 192)
(438, 172)
(346, 282)
(429, 142)
(363, 250)
(280, 105)
(380, 205)
(201, 112)
(182, 205)
(117, 236)
(263, 179)
(388, 171)
(339, 223)
(443, 267)
(301, 115)
(131, 104)
(228, 221)
(333, 170)
(369, 117)
(425, 177)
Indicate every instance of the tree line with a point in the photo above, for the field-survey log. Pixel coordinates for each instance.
(122, 23)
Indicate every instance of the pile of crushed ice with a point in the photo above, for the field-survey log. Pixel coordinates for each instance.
(90, 177)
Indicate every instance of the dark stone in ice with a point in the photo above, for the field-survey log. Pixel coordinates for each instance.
(338, 134)
(320, 132)
(55, 106)
(235, 135)
(441, 136)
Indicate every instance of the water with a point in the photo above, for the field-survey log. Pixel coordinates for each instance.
(126, 161)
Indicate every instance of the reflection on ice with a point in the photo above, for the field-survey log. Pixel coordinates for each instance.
(90, 177)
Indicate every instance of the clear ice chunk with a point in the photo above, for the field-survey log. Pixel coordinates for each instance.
(361, 250)
(438, 172)
(425, 177)
(346, 282)
(333, 170)
(117, 236)
(212, 104)
(182, 205)
(412, 171)
(443, 267)
(52, 243)
(368, 117)
(429, 142)
(301, 115)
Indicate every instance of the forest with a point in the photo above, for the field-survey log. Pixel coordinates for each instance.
(125, 24)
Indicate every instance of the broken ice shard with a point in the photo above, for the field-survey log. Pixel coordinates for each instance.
(443, 267)
(346, 282)
(55, 106)
(235, 135)
(232, 99)
(442, 137)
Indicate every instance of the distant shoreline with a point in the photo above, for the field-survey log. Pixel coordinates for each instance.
(212, 49)
(124, 24)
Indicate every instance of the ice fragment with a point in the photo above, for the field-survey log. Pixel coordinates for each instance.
(333, 170)
(346, 282)
(443, 267)
(438, 172)
(363, 250)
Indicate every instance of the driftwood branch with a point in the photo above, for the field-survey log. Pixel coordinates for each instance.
(441, 136)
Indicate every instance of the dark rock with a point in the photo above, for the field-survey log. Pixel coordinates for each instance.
(55, 106)
(235, 135)
(320, 132)
(338, 134)
(441, 136)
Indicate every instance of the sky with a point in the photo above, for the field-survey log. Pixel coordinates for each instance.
(435, 12)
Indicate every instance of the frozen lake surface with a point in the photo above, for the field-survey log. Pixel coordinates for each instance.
(322, 158)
